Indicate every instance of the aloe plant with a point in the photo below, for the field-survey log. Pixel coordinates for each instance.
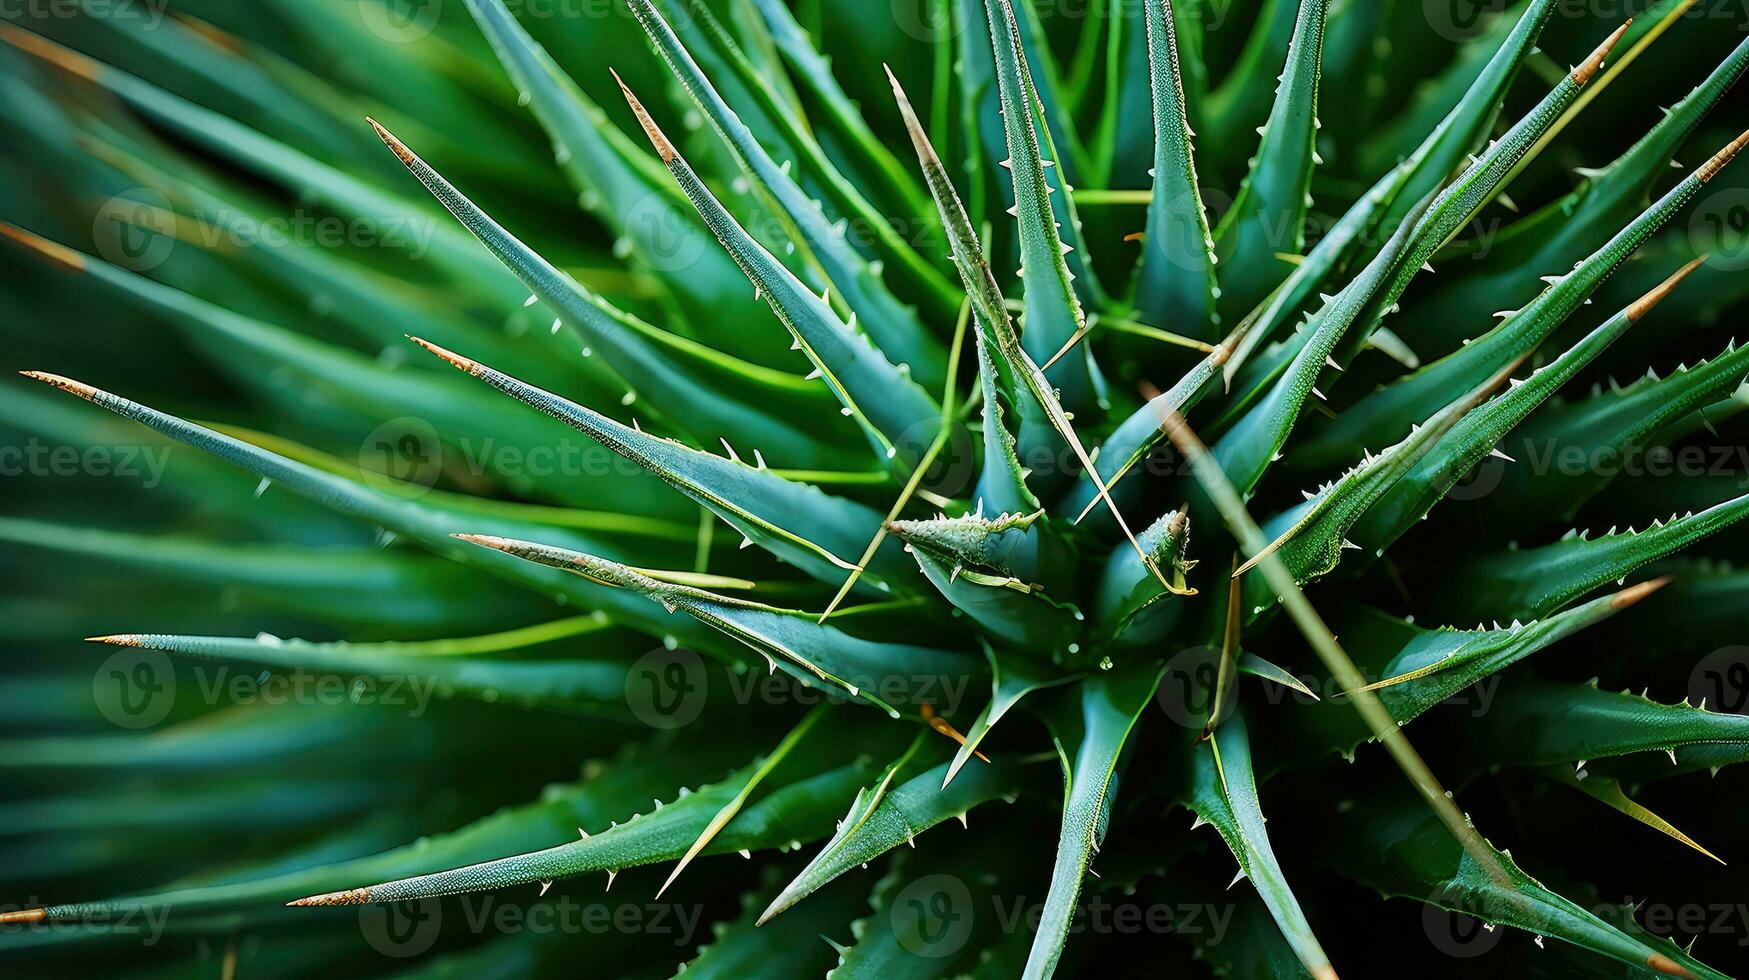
(866, 417)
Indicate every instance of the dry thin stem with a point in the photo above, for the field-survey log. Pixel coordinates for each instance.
(1372, 711)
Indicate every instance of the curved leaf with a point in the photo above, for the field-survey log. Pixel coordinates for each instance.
(897, 416)
(819, 655)
(685, 381)
(1224, 793)
(884, 816)
(896, 329)
(1089, 742)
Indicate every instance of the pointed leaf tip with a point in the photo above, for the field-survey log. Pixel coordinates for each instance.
(392, 142)
(79, 388)
(664, 149)
(467, 364)
(486, 541)
(22, 916)
(1666, 965)
(64, 58)
(351, 896)
(1590, 66)
(1711, 168)
(53, 251)
(118, 640)
(1634, 593)
(1644, 304)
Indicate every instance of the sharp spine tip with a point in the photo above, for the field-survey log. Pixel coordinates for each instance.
(54, 251)
(664, 149)
(1634, 593)
(1666, 965)
(68, 385)
(1710, 169)
(1590, 66)
(483, 540)
(351, 896)
(393, 142)
(1645, 303)
(119, 640)
(467, 364)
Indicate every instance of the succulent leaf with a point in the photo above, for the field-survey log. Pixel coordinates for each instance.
(565, 607)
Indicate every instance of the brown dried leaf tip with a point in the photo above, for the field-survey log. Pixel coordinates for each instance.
(1589, 66)
(464, 363)
(1711, 168)
(79, 388)
(1634, 593)
(394, 143)
(351, 896)
(945, 727)
(119, 640)
(1644, 304)
(664, 149)
(53, 251)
